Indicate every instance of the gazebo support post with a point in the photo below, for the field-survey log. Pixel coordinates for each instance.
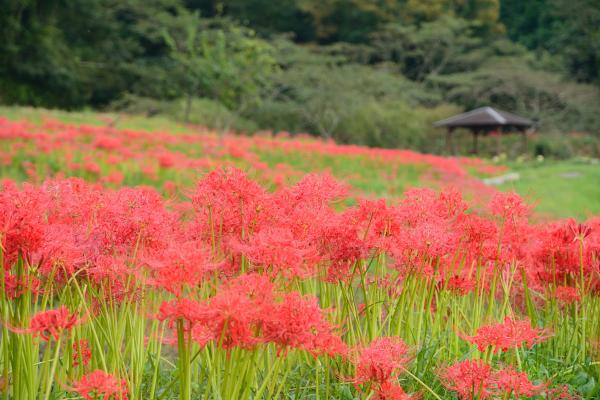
(475, 141)
(498, 141)
(524, 141)
(449, 142)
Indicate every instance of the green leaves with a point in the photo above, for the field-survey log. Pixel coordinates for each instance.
(221, 61)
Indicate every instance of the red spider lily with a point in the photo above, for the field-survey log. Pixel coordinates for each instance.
(317, 190)
(561, 257)
(460, 285)
(15, 287)
(392, 391)
(182, 265)
(115, 178)
(381, 360)
(51, 323)
(372, 222)
(21, 221)
(101, 385)
(227, 204)
(278, 250)
(134, 220)
(82, 354)
(509, 206)
(511, 382)
(478, 235)
(470, 379)
(580, 231)
(111, 271)
(92, 168)
(258, 288)
(233, 318)
(298, 322)
(342, 245)
(183, 309)
(509, 334)
(567, 294)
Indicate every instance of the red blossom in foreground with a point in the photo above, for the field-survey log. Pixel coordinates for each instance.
(381, 360)
(245, 312)
(299, 322)
(21, 221)
(509, 206)
(101, 385)
(51, 323)
(278, 250)
(460, 285)
(507, 335)
(580, 231)
(181, 265)
(567, 294)
(184, 309)
(15, 287)
(511, 382)
(391, 391)
(470, 379)
(232, 317)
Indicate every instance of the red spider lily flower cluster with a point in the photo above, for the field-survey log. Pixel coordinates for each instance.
(392, 391)
(470, 379)
(475, 379)
(101, 385)
(580, 231)
(248, 312)
(514, 383)
(51, 323)
(567, 294)
(507, 335)
(102, 154)
(71, 227)
(381, 360)
(380, 363)
(562, 250)
(227, 264)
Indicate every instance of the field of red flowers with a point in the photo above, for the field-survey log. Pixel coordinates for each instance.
(149, 265)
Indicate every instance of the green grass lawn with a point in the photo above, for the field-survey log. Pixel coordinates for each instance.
(560, 188)
(122, 121)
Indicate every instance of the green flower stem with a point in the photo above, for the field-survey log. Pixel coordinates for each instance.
(51, 377)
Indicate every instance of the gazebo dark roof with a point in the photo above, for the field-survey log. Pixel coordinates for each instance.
(483, 121)
(485, 117)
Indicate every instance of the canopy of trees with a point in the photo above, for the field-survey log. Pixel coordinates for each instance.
(374, 72)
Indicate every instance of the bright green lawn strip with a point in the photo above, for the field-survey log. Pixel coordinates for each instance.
(561, 188)
(121, 121)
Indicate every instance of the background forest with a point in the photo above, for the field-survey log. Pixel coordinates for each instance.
(371, 72)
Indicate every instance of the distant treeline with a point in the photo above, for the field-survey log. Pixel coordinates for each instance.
(373, 72)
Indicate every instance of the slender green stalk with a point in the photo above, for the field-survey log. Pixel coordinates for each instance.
(185, 378)
(51, 377)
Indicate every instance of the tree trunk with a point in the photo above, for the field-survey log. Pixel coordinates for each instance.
(188, 108)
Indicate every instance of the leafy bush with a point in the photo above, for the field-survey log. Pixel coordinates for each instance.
(202, 111)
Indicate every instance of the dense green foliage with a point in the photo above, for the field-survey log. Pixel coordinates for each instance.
(359, 71)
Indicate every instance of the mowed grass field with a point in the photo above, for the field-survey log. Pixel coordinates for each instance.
(560, 188)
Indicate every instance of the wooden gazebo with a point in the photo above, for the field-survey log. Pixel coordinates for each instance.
(483, 121)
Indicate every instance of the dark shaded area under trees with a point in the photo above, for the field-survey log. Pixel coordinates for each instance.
(372, 72)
